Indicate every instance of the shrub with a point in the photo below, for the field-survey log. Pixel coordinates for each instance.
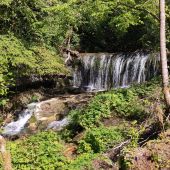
(148, 89)
(100, 139)
(17, 60)
(82, 162)
(45, 151)
(126, 103)
(122, 102)
(41, 151)
(99, 107)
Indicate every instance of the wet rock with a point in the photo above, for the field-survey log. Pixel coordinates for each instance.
(58, 125)
(48, 114)
(50, 110)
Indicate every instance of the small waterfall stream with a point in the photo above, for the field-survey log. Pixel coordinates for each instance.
(16, 127)
(104, 71)
(47, 114)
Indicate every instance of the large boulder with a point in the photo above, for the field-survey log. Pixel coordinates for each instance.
(50, 110)
(48, 113)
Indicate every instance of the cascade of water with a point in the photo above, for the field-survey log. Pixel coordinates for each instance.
(16, 127)
(58, 125)
(102, 72)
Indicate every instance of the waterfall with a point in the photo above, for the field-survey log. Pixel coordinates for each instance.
(104, 71)
(16, 127)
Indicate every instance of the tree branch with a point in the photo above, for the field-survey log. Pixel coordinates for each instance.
(141, 9)
(112, 153)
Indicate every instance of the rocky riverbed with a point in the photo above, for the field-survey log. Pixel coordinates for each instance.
(47, 114)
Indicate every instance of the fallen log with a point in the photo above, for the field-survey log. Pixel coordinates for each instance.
(114, 152)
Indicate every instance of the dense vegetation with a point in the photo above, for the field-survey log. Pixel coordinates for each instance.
(33, 32)
(88, 137)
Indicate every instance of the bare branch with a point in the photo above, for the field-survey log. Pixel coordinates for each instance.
(112, 153)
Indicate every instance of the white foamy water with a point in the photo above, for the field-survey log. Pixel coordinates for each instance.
(101, 72)
(16, 127)
(58, 125)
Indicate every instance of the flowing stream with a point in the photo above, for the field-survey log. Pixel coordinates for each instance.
(16, 127)
(103, 71)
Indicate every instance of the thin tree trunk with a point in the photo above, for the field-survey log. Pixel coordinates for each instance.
(6, 157)
(70, 34)
(164, 65)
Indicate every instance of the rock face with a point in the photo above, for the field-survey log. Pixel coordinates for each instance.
(57, 108)
(50, 110)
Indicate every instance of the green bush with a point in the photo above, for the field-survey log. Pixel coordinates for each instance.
(21, 60)
(41, 151)
(124, 103)
(99, 107)
(100, 139)
(17, 60)
(45, 151)
(5, 81)
(148, 89)
(81, 162)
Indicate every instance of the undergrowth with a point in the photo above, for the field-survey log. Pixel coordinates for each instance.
(46, 150)
(97, 140)
(132, 104)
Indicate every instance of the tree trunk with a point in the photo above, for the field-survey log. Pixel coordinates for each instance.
(6, 157)
(164, 65)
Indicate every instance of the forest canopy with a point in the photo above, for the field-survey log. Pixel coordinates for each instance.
(97, 25)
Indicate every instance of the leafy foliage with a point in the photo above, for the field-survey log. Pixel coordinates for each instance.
(45, 151)
(100, 139)
(123, 102)
(25, 61)
(117, 26)
(18, 60)
(42, 151)
(99, 107)
(31, 31)
(111, 22)
(82, 161)
(21, 17)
